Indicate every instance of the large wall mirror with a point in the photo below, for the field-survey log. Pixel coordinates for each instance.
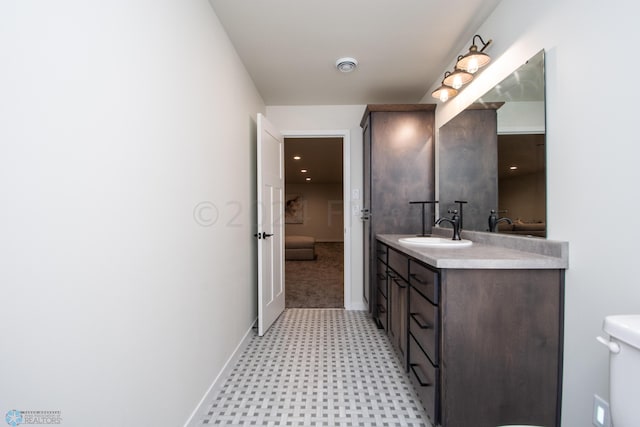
(492, 156)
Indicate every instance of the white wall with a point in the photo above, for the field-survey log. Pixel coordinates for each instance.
(331, 118)
(592, 174)
(117, 120)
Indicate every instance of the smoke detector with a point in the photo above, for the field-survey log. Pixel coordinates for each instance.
(346, 65)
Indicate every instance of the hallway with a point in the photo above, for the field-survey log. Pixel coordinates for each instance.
(316, 367)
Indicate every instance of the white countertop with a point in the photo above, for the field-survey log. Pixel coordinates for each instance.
(480, 255)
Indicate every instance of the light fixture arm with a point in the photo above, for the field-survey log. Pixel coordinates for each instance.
(484, 45)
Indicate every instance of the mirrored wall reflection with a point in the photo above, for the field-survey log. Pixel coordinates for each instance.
(492, 155)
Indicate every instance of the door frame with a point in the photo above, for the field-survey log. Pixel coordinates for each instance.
(346, 196)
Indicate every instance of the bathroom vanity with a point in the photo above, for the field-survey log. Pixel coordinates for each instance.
(479, 328)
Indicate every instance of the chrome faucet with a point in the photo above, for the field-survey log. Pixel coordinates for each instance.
(454, 221)
(494, 221)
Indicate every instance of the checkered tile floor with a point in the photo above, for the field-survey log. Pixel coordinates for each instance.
(317, 367)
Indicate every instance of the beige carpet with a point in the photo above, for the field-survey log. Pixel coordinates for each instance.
(318, 283)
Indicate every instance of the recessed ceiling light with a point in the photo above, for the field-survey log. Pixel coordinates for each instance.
(347, 64)
(513, 168)
(304, 170)
(296, 157)
(308, 179)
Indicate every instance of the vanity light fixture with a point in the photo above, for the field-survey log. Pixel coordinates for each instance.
(346, 65)
(474, 59)
(466, 66)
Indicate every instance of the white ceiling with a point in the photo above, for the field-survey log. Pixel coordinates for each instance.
(290, 47)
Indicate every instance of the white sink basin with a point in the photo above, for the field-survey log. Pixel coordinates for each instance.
(436, 242)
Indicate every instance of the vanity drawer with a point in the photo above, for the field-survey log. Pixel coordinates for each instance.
(382, 310)
(424, 325)
(381, 278)
(381, 251)
(425, 280)
(399, 263)
(426, 380)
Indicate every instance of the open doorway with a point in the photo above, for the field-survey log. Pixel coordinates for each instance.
(314, 222)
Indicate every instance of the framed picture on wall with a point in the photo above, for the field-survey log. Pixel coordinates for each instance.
(294, 209)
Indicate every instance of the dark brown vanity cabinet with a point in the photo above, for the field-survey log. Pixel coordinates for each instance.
(485, 346)
(398, 167)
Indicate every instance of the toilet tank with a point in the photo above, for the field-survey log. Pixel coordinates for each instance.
(624, 365)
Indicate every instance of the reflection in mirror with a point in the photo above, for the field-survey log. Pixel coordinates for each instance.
(492, 155)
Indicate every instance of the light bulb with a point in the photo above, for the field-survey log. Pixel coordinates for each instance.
(473, 65)
(444, 95)
(457, 82)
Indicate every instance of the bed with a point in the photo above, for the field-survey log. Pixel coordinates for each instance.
(538, 229)
(299, 248)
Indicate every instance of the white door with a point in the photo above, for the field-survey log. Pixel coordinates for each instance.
(270, 236)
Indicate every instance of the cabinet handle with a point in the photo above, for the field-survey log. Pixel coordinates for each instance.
(381, 309)
(417, 279)
(415, 372)
(400, 283)
(422, 325)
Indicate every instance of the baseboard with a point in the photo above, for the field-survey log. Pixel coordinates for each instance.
(359, 306)
(226, 368)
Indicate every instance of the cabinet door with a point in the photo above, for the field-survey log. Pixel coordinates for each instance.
(398, 298)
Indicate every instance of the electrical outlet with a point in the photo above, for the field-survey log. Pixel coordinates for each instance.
(601, 412)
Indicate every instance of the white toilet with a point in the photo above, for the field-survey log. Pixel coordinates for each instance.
(624, 366)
